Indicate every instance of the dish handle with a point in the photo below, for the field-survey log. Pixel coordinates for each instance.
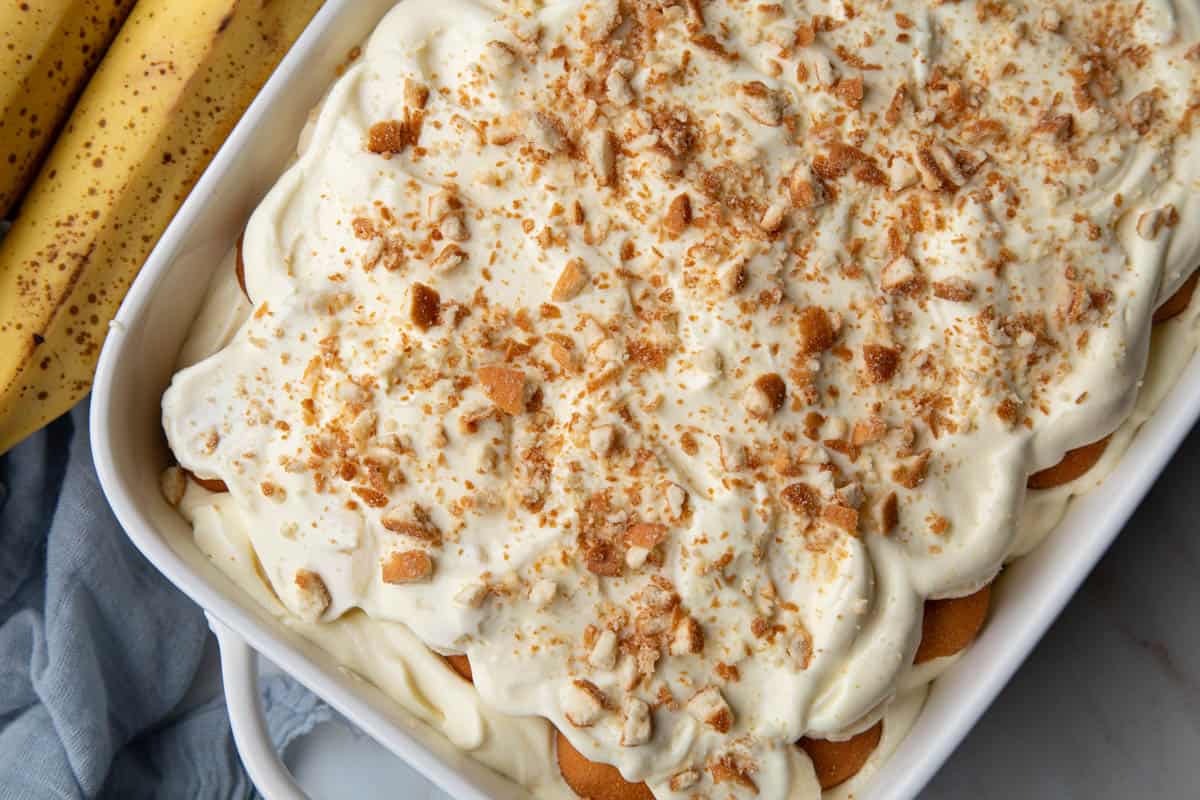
(239, 672)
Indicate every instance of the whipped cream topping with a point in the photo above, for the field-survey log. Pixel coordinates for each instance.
(664, 358)
(388, 656)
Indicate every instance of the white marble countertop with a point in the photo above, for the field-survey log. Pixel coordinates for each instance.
(1108, 705)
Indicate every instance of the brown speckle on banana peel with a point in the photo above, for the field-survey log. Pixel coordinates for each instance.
(47, 53)
(128, 156)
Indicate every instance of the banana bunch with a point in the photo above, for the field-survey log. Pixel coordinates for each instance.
(171, 87)
(48, 49)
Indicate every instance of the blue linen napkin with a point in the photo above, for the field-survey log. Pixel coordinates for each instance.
(97, 649)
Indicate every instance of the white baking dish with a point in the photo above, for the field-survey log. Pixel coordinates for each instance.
(139, 358)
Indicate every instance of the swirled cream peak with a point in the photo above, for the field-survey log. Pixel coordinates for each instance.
(663, 357)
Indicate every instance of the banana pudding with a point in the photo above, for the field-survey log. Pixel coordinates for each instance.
(683, 369)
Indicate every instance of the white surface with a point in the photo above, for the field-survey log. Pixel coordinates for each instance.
(140, 353)
(337, 761)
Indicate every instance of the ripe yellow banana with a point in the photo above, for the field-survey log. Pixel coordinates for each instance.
(176, 79)
(48, 49)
